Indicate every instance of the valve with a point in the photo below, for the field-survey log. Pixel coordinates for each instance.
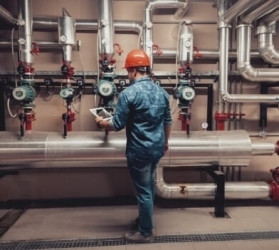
(24, 93)
(118, 49)
(67, 93)
(274, 185)
(158, 50)
(35, 49)
(68, 118)
(106, 88)
(67, 70)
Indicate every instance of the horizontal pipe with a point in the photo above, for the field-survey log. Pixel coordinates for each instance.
(5, 14)
(96, 149)
(206, 191)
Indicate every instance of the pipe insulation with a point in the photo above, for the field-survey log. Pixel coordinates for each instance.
(96, 149)
(206, 191)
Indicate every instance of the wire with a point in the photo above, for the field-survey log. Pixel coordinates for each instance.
(13, 54)
(140, 39)
(9, 109)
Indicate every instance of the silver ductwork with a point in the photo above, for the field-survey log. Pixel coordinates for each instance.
(25, 32)
(106, 28)
(207, 191)
(151, 5)
(96, 149)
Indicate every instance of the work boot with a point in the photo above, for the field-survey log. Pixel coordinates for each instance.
(137, 237)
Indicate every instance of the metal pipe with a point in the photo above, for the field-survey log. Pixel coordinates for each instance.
(271, 17)
(238, 9)
(244, 66)
(263, 9)
(41, 44)
(233, 190)
(265, 33)
(5, 14)
(203, 54)
(186, 44)
(96, 149)
(106, 28)
(25, 32)
(86, 25)
(151, 5)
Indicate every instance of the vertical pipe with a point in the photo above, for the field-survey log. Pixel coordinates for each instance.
(2, 108)
(25, 32)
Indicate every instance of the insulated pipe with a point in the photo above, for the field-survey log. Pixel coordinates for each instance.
(186, 44)
(25, 32)
(96, 149)
(86, 25)
(233, 190)
(266, 47)
(244, 66)
(151, 5)
(272, 17)
(238, 9)
(263, 9)
(203, 54)
(5, 14)
(106, 28)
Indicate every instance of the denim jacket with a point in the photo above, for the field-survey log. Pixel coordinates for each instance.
(143, 108)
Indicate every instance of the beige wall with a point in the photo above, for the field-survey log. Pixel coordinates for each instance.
(113, 182)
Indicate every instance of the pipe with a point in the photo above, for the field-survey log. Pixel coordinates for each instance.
(96, 149)
(25, 32)
(151, 5)
(186, 44)
(5, 14)
(233, 190)
(106, 28)
(271, 17)
(244, 66)
(86, 25)
(263, 9)
(266, 47)
(203, 54)
(238, 9)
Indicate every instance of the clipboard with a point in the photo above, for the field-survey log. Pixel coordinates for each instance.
(97, 112)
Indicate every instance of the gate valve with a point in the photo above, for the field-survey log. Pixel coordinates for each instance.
(67, 70)
(158, 51)
(35, 49)
(118, 49)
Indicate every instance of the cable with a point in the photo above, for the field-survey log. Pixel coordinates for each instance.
(13, 53)
(9, 110)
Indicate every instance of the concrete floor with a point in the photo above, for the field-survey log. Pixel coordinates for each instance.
(114, 221)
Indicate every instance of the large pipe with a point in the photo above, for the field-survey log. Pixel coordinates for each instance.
(151, 5)
(206, 191)
(106, 28)
(96, 149)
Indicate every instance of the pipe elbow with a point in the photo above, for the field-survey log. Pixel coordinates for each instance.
(247, 71)
(181, 12)
(269, 54)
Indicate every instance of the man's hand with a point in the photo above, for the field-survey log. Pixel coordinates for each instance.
(98, 120)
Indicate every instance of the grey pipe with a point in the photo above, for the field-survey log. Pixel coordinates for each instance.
(186, 44)
(263, 9)
(271, 17)
(151, 5)
(96, 149)
(106, 28)
(233, 190)
(238, 9)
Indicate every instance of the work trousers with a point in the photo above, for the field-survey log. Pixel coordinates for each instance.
(143, 177)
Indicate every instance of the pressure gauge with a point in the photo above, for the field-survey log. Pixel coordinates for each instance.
(106, 88)
(188, 93)
(204, 125)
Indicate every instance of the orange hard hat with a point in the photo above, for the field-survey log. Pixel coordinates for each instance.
(137, 58)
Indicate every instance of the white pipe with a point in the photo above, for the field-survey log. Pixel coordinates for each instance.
(233, 190)
(151, 5)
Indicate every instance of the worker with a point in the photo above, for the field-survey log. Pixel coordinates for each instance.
(143, 108)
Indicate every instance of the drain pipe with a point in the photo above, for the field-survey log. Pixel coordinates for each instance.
(151, 5)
